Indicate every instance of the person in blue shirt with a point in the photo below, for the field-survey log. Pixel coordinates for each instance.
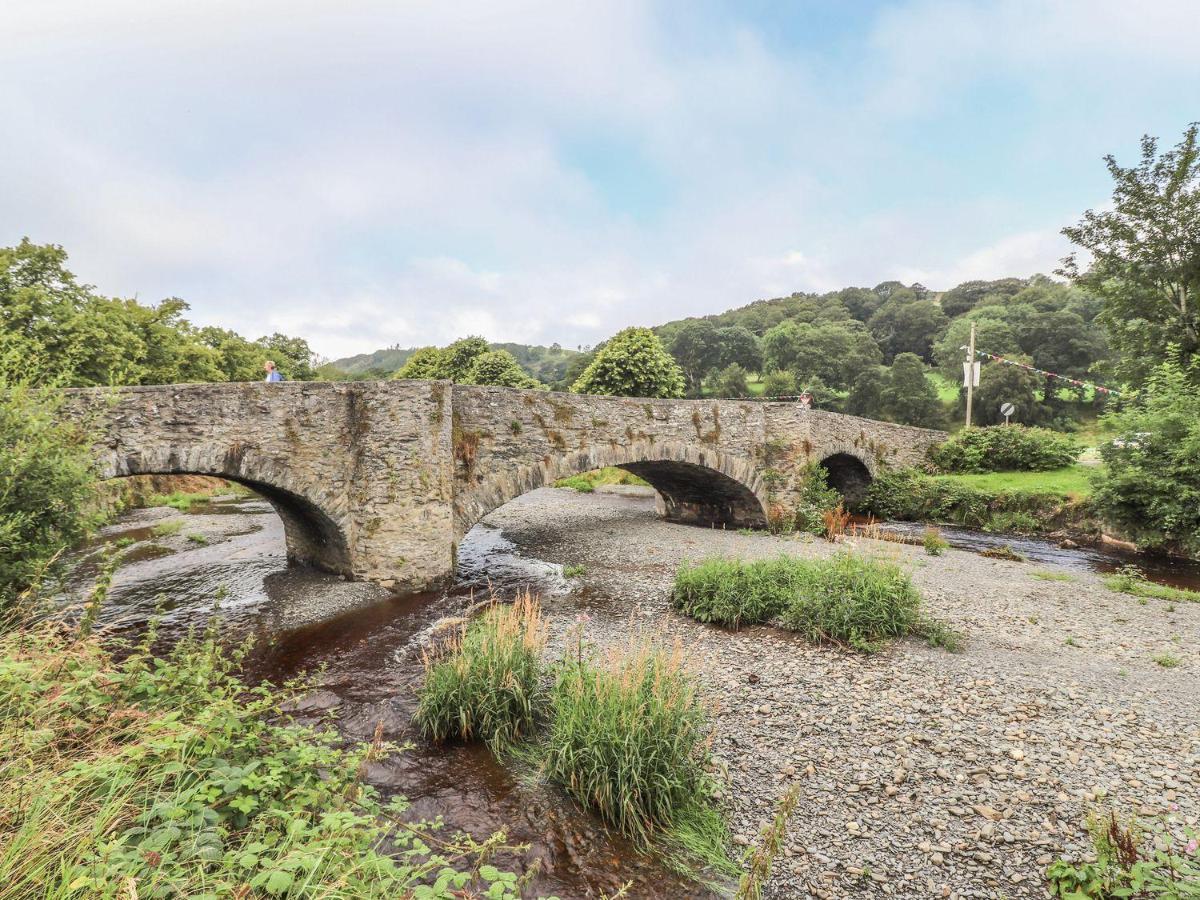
(272, 372)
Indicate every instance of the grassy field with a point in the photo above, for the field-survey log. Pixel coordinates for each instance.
(1073, 481)
(587, 482)
(947, 390)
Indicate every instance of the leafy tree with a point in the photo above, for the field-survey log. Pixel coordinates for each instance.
(739, 345)
(633, 363)
(459, 356)
(866, 394)
(697, 348)
(992, 334)
(1150, 485)
(832, 352)
(1000, 383)
(862, 303)
(1145, 257)
(499, 368)
(575, 367)
(779, 384)
(731, 382)
(965, 297)
(909, 397)
(425, 363)
(907, 327)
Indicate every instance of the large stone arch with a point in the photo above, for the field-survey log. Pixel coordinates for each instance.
(314, 533)
(695, 485)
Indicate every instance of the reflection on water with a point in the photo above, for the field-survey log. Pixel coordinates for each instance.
(365, 642)
(1182, 573)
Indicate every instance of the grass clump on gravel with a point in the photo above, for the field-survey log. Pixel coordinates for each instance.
(486, 681)
(734, 593)
(845, 599)
(933, 542)
(125, 774)
(629, 738)
(1131, 580)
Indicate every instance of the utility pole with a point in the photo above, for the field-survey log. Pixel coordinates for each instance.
(969, 370)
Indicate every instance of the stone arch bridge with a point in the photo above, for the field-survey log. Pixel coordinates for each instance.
(381, 480)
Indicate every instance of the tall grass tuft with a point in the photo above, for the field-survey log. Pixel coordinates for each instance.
(853, 600)
(486, 682)
(733, 593)
(629, 739)
(771, 840)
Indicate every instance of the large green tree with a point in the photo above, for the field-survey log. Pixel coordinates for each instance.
(1144, 255)
(907, 327)
(696, 346)
(500, 369)
(633, 363)
(909, 397)
(831, 352)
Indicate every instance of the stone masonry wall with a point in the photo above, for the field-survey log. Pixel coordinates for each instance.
(381, 480)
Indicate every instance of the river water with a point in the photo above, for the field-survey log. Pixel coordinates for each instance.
(364, 644)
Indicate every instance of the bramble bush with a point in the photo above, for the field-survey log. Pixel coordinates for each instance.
(1005, 448)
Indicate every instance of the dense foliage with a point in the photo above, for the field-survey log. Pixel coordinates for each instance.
(1005, 448)
(47, 486)
(168, 776)
(1150, 486)
(1144, 253)
(633, 363)
(470, 360)
(913, 496)
(69, 334)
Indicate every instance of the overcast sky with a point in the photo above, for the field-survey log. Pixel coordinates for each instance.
(374, 173)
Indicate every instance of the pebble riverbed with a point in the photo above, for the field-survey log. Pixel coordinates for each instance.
(922, 773)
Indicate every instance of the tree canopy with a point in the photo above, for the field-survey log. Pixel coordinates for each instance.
(633, 363)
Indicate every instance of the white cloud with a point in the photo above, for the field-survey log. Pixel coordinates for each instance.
(378, 173)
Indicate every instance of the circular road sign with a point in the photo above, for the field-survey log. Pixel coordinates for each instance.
(1007, 409)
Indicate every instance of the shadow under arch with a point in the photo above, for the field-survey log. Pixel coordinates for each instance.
(313, 537)
(849, 476)
(697, 486)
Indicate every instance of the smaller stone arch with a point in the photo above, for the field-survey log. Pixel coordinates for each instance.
(850, 475)
(314, 536)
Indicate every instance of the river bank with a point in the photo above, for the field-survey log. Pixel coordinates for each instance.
(922, 773)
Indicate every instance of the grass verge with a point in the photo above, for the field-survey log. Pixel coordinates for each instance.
(133, 776)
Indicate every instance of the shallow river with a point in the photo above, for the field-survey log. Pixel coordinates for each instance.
(366, 644)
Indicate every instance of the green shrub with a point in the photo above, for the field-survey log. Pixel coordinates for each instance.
(815, 499)
(1005, 448)
(933, 542)
(849, 599)
(1131, 860)
(171, 777)
(733, 593)
(1149, 488)
(47, 487)
(486, 681)
(629, 739)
